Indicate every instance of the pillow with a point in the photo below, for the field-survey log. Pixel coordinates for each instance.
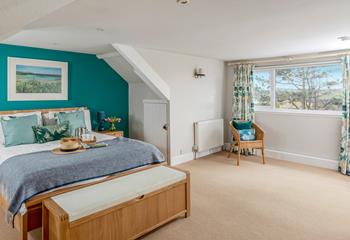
(240, 125)
(18, 130)
(76, 120)
(51, 118)
(51, 133)
(38, 114)
(247, 134)
(87, 119)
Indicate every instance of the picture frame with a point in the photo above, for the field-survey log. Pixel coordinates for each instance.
(36, 80)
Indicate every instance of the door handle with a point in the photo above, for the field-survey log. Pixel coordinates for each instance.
(165, 127)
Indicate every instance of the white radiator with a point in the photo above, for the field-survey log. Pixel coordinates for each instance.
(208, 134)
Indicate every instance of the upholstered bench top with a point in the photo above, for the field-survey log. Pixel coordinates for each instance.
(93, 199)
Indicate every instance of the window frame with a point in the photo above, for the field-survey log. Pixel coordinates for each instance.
(273, 109)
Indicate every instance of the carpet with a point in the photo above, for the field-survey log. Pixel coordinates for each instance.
(277, 201)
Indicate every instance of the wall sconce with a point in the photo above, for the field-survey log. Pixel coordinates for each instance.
(198, 73)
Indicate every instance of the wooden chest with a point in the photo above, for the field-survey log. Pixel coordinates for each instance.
(156, 196)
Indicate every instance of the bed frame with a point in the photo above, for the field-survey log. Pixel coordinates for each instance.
(32, 218)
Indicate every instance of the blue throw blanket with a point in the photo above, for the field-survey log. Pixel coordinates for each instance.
(23, 176)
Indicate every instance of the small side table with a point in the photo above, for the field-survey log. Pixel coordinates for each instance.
(113, 133)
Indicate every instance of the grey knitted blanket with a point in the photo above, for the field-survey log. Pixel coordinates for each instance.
(23, 176)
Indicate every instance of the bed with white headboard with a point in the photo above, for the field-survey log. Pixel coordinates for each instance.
(31, 218)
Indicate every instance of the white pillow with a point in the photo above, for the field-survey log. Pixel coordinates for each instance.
(2, 138)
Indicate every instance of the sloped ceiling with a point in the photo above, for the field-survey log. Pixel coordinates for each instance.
(222, 29)
(16, 14)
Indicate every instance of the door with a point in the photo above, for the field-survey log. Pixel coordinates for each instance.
(156, 124)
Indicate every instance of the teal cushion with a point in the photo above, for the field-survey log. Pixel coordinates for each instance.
(76, 120)
(247, 134)
(51, 133)
(240, 125)
(18, 130)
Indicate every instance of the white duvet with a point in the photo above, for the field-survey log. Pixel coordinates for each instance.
(8, 152)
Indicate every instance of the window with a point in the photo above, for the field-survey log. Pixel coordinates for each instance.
(315, 87)
(262, 88)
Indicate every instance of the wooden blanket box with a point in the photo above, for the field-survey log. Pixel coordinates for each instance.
(124, 208)
(32, 219)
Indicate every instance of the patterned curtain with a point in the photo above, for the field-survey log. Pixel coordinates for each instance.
(344, 158)
(242, 101)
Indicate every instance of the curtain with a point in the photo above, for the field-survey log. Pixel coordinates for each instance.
(344, 157)
(242, 101)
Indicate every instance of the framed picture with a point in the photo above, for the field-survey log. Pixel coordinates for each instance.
(36, 80)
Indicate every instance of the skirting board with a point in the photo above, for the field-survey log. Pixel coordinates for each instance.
(298, 158)
(190, 156)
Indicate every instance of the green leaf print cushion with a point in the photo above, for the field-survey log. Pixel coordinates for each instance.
(51, 133)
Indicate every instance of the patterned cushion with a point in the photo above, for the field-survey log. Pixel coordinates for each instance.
(51, 133)
(247, 134)
(50, 118)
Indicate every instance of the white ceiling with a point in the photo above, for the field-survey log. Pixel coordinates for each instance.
(223, 29)
(15, 14)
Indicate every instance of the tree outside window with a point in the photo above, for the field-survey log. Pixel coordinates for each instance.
(262, 88)
(318, 87)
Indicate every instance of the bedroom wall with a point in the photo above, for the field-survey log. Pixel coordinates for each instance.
(305, 138)
(92, 83)
(138, 92)
(191, 99)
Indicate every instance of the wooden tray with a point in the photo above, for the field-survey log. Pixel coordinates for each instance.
(58, 151)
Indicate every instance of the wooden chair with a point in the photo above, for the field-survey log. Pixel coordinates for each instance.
(256, 144)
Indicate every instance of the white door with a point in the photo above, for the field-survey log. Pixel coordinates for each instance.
(155, 124)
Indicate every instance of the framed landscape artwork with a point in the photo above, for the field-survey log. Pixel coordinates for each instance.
(36, 80)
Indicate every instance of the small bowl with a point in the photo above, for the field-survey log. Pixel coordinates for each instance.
(70, 144)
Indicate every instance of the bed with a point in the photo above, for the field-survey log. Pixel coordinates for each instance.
(28, 217)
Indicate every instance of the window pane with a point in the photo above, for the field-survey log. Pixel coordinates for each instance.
(262, 88)
(309, 88)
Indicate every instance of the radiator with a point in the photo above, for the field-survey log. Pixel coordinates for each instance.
(208, 134)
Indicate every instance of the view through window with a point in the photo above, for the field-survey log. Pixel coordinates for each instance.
(317, 87)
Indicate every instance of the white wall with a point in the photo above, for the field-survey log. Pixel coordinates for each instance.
(305, 138)
(191, 99)
(143, 70)
(137, 93)
(311, 135)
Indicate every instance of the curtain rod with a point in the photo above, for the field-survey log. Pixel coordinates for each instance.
(292, 58)
(298, 64)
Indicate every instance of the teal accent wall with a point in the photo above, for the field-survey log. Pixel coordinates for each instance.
(91, 83)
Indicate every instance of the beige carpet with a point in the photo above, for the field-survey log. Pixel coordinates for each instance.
(280, 200)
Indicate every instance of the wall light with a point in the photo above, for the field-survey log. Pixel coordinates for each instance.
(182, 2)
(198, 73)
(344, 38)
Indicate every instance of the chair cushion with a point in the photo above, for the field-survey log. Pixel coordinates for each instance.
(247, 134)
(242, 124)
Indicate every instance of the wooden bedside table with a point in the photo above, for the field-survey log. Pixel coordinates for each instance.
(113, 133)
